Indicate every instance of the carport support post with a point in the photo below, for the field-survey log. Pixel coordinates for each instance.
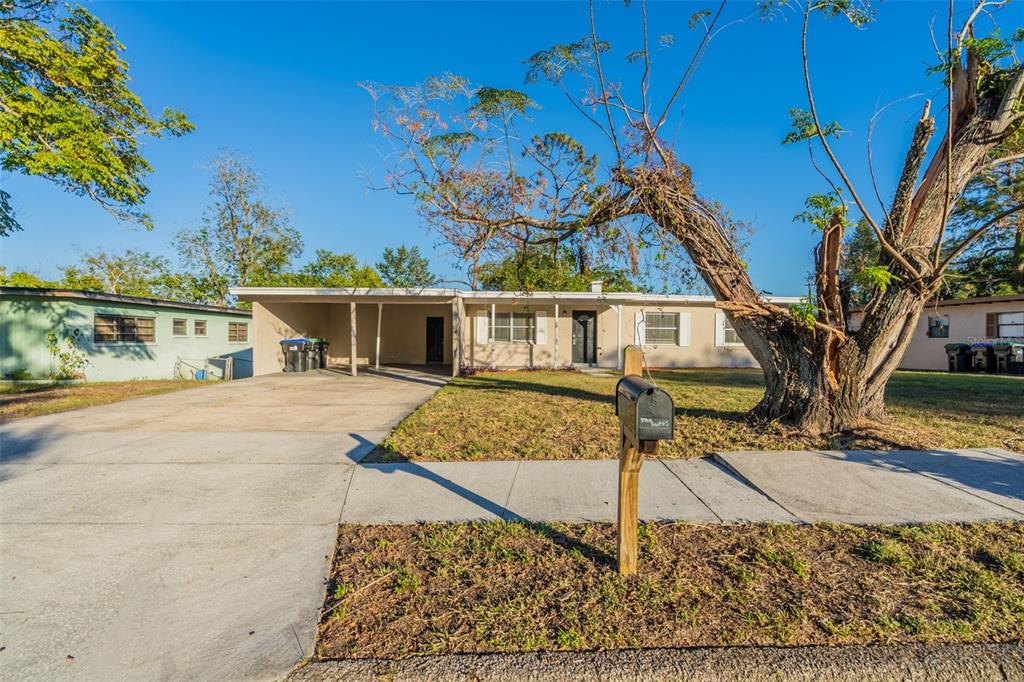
(456, 337)
(352, 341)
(376, 353)
(630, 460)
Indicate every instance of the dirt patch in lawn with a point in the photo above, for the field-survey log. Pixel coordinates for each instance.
(507, 586)
(25, 400)
(570, 415)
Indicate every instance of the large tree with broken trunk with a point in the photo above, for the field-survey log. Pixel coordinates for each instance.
(459, 151)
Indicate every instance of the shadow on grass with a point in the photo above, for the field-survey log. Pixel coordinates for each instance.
(502, 383)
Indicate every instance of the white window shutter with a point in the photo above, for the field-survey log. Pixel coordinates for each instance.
(483, 323)
(719, 329)
(639, 329)
(684, 329)
(540, 321)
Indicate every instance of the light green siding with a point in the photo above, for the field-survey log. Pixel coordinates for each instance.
(25, 321)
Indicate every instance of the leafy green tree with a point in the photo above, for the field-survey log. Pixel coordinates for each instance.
(861, 252)
(67, 113)
(19, 278)
(993, 264)
(242, 241)
(130, 273)
(537, 269)
(332, 270)
(405, 267)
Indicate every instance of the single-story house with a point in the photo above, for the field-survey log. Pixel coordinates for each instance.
(500, 329)
(122, 337)
(985, 319)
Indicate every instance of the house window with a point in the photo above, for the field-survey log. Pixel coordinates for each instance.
(938, 326)
(179, 327)
(199, 327)
(513, 327)
(662, 329)
(121, 329)
(1010, 325)
(730, 336)
(238, 332)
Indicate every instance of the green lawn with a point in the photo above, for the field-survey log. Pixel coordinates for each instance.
(570, 415)
(498, 587)
(32, 400)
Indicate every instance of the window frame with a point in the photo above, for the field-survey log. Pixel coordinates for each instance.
(1000, 324)
(649, 327)
(174, 327)
(932, 326)
(233, 327)
(195, 328)
(506, 321)
(726, 329)
(121, 326)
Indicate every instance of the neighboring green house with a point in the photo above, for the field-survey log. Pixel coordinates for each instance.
(122, 337)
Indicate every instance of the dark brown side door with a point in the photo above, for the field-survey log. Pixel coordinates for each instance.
(435, 339)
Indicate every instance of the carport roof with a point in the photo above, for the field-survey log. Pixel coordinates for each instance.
(427, 294)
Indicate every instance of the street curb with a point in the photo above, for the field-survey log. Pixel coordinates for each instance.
(911, 662)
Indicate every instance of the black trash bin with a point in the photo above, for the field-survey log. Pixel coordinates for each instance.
(1009, 357)
(984, 358)
(959, 356)
(295, 354)
(313, 353)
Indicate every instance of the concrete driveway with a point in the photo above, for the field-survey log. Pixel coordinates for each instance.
(186, 535)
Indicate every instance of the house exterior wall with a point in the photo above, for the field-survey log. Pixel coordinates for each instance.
(966, 325)
(26, 320)
(701, 345)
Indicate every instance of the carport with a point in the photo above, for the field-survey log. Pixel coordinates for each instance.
(366, 327)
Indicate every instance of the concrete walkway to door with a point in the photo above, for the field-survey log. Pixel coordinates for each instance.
(185, 536)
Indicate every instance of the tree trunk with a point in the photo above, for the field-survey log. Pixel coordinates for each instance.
(818, 379)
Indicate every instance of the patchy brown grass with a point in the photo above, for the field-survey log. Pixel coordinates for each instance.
(497, 587)
(570, 415)
(25, 400)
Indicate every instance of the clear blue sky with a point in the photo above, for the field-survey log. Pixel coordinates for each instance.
(277, 82)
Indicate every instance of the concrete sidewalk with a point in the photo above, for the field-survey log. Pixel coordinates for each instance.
(731, 487)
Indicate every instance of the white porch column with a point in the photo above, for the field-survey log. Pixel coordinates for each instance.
(456, 337)
(556, 336)
(352, 340)
(618, 336)
(492, 336)
(376, 353)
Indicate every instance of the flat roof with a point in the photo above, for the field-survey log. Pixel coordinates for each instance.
(251, 293)
(976, 300)
(103, 297)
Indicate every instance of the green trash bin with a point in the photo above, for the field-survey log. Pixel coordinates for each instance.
(959, 356)
(313, 357)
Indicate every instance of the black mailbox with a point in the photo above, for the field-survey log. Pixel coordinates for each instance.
(646, 412)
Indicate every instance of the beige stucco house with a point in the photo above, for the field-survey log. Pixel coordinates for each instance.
(501, 329)
(969, 320)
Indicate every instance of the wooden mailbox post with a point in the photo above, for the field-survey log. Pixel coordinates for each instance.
(646, 416)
